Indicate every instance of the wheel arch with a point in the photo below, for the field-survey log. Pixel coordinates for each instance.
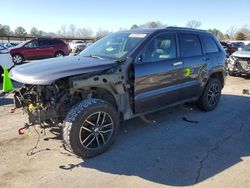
(218, 75)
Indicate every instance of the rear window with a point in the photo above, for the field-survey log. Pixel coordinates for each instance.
(209, 44)
(190, 45)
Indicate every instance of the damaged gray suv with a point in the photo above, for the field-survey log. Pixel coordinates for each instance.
(121, 76)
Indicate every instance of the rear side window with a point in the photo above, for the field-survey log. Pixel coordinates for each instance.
(209, 44)
(56, 41)
(190, 45)
(44, 42)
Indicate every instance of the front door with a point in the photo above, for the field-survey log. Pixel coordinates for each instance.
(31, 50)
(158, 74)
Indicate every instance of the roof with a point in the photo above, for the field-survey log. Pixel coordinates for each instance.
(151, 30)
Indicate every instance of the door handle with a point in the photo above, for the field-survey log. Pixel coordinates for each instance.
(177, 63)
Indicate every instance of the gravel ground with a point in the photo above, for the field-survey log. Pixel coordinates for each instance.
(214, 152)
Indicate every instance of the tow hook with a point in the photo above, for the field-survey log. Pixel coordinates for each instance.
(22, 129)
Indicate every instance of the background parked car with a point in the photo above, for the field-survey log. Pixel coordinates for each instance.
(239, 62)
(39, 48)
(237, 45)
(77, 44)
(230, 49)
(5, 59)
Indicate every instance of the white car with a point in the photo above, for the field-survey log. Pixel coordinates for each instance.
(5, 59)
(77, 44)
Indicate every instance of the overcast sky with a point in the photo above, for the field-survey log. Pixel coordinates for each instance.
(50, 15)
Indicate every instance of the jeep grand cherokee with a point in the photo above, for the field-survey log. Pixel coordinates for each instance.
(121, 76)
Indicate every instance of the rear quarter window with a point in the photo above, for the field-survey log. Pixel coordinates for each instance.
(209, 44)
(190, 45)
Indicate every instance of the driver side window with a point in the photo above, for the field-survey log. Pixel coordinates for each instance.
(162, 47)
(32, 44)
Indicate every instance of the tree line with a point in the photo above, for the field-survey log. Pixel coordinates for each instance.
(72, 30)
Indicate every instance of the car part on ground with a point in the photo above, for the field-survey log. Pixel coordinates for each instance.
(39, 48)
(239, 62)
(121, 76)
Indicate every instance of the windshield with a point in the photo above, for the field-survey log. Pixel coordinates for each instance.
(246, 48)
(21, 44)
(114, 45)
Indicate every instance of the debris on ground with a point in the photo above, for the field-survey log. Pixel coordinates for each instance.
(245, 92)
(146, 120)
(189, 120)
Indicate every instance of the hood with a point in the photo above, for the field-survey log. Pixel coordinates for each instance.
(45, 72)
(241, 54)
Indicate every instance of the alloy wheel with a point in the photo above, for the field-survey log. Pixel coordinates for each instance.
(213, 94)
(17, 59)
(96, 130)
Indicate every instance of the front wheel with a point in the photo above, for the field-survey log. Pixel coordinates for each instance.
(17, 59)
(90, 127)
(210, 96)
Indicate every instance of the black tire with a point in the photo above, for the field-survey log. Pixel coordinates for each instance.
(78, 133)
(17, 59)
(1, 74)
(211, 95)
(59, 54)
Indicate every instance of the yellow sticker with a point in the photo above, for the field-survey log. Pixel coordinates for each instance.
(188, 71)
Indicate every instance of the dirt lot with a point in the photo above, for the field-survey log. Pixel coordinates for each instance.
(214, 152)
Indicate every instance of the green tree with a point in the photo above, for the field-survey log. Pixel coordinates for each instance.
(34, 32)
(20, 31)
(240, 36)
(5, 30)
(226, 36)
(153, 25)
(134, 26)
(217, 33)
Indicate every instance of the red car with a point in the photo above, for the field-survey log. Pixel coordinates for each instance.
(39, 48)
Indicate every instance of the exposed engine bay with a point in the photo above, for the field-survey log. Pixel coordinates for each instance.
(44, 103)
(51, 103)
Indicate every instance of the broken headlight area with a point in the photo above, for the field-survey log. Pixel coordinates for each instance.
(42, 103)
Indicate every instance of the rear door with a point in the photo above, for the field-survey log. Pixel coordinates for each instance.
(158, 73)
(46, 48)
(194, 65)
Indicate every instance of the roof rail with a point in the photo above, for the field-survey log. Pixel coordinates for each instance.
(184, 28)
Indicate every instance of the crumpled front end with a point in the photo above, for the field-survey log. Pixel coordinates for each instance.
(239, 65)
(43, 104)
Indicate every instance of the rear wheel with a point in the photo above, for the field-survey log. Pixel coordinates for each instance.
(17, 58)
(90, 127)
(210, 96)
(59, 54)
